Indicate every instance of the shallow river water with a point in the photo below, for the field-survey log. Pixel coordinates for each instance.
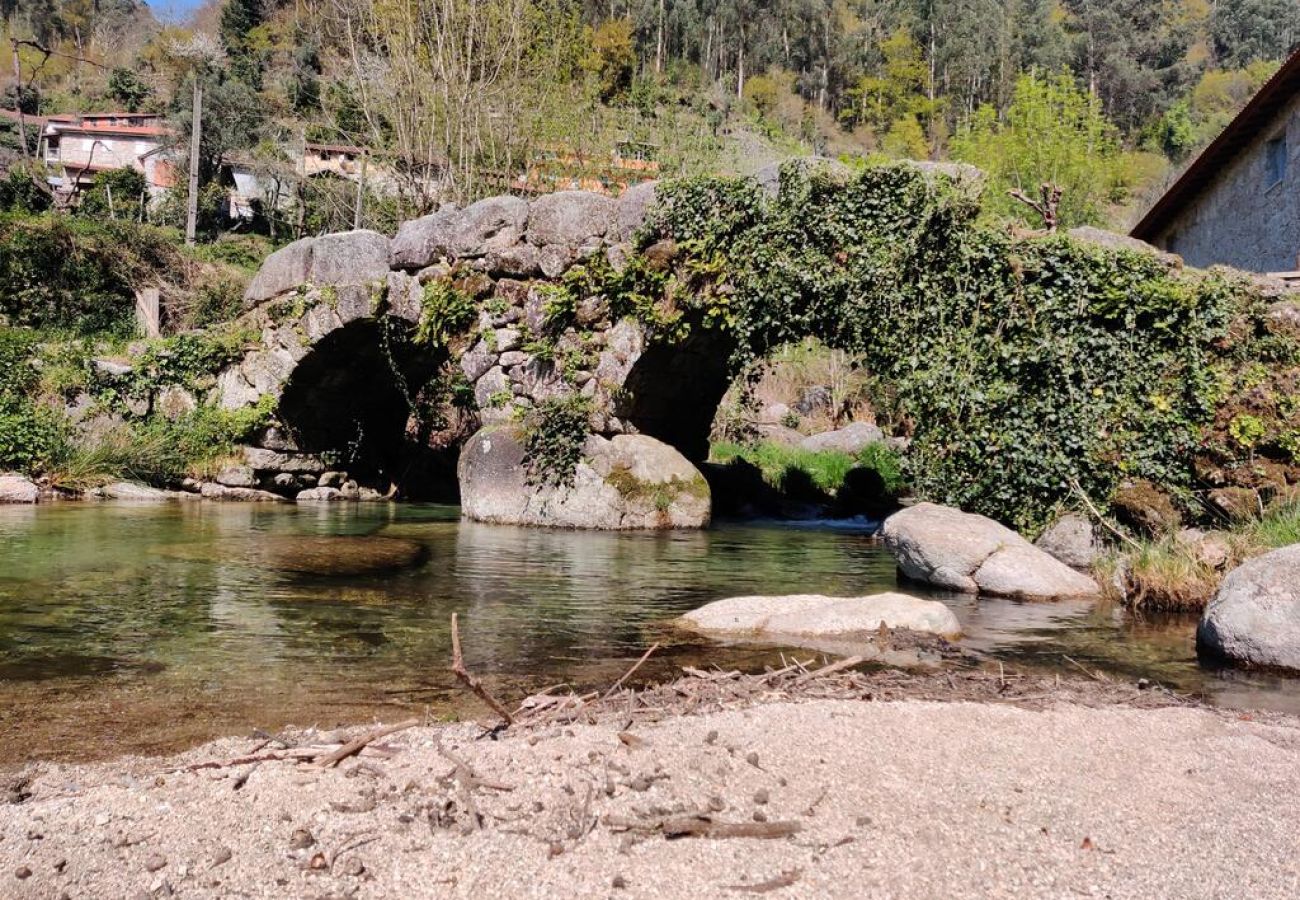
(144, 628)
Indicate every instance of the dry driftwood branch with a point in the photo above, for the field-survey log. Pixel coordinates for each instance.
(356, 745)
(1049, 206)
(469, 680)
(628, 674)
(831, 669)
(700, 825)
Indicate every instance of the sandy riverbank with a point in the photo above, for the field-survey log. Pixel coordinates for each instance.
(898, 799)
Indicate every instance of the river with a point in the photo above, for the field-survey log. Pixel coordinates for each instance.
(141, 628)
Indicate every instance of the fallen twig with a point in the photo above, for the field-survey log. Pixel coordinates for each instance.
(834, 667)
(628, 674)
(458, 669)
(356, 745)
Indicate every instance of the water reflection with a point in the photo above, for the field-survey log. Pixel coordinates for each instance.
(242, 614)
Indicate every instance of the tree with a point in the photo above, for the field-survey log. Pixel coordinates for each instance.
(1053, 133)
(1246, 31)
(612, 58)
(127, 88)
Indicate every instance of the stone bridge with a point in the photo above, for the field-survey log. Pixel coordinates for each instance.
(419, 365)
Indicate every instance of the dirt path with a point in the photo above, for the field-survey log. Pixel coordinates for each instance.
(867, 799)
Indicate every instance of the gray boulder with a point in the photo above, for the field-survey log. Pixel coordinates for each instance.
(622, 483)
(349, 258)
(213, 491)
(632, 207)
(264, 460)
(16, 488)
(422, 242)
(129, 492)
(569, 218)
(282, 271)
(489, 225)
(964, 552)
(851, 439)
(1111, 240)
(1071, 539)
(769, 177)
(810, 615)
(1254, 619)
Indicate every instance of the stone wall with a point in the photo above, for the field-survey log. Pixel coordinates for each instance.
(1241, 220)
(332, 310)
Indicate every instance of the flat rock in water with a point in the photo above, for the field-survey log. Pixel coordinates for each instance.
(974, 554)
(345, 555)
(813, 615)
(127, 491)
(1254, 619)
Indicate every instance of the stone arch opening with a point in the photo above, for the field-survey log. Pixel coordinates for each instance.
(349, 401)
(672, 392)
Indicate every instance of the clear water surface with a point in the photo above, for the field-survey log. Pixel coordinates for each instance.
(140, 628)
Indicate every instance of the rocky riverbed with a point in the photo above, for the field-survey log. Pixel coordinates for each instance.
(784, 784)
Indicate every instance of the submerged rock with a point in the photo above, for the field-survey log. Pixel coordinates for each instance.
(622, 483)
(347, 555)
(974, 554)
(811, 615)
(1254, 619)
(16, 488)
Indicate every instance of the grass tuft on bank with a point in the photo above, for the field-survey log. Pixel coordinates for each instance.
(783, 467)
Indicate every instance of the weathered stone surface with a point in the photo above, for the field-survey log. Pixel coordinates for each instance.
(422, 242)
(769, 177)
(974, 554)
(236, 476)
(213, 491)
(489, 386)
(1208, 548)
(320, 495)
(281, 272)
(349, 257)
(336, 555)
(634, 204)
(520, 260)
(1072, 540)
(627, 482)
(277, 439)
(809, 615)
(264, 460)
(569, 218)
(489, 225)
(850, 439)
(405, 297)
(477, 360)
(16, 488)
(111, 368)
(1254, 619)
(554, 260)
(779, 434)
(174, 401)
(129, 492)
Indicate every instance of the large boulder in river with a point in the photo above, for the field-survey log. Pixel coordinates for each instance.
(811, 615)
(1254, 619)
(17, 489)
(974, 554)
(625, 482)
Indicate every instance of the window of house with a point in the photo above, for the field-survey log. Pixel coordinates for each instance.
(1275, 160)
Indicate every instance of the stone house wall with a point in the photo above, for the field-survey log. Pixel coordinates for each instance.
(1240, 219)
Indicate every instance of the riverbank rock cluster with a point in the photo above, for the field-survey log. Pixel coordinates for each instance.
(475, 289)
(973, 554)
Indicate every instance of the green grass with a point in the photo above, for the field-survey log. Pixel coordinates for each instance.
(1280, 527)
(780, 464)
